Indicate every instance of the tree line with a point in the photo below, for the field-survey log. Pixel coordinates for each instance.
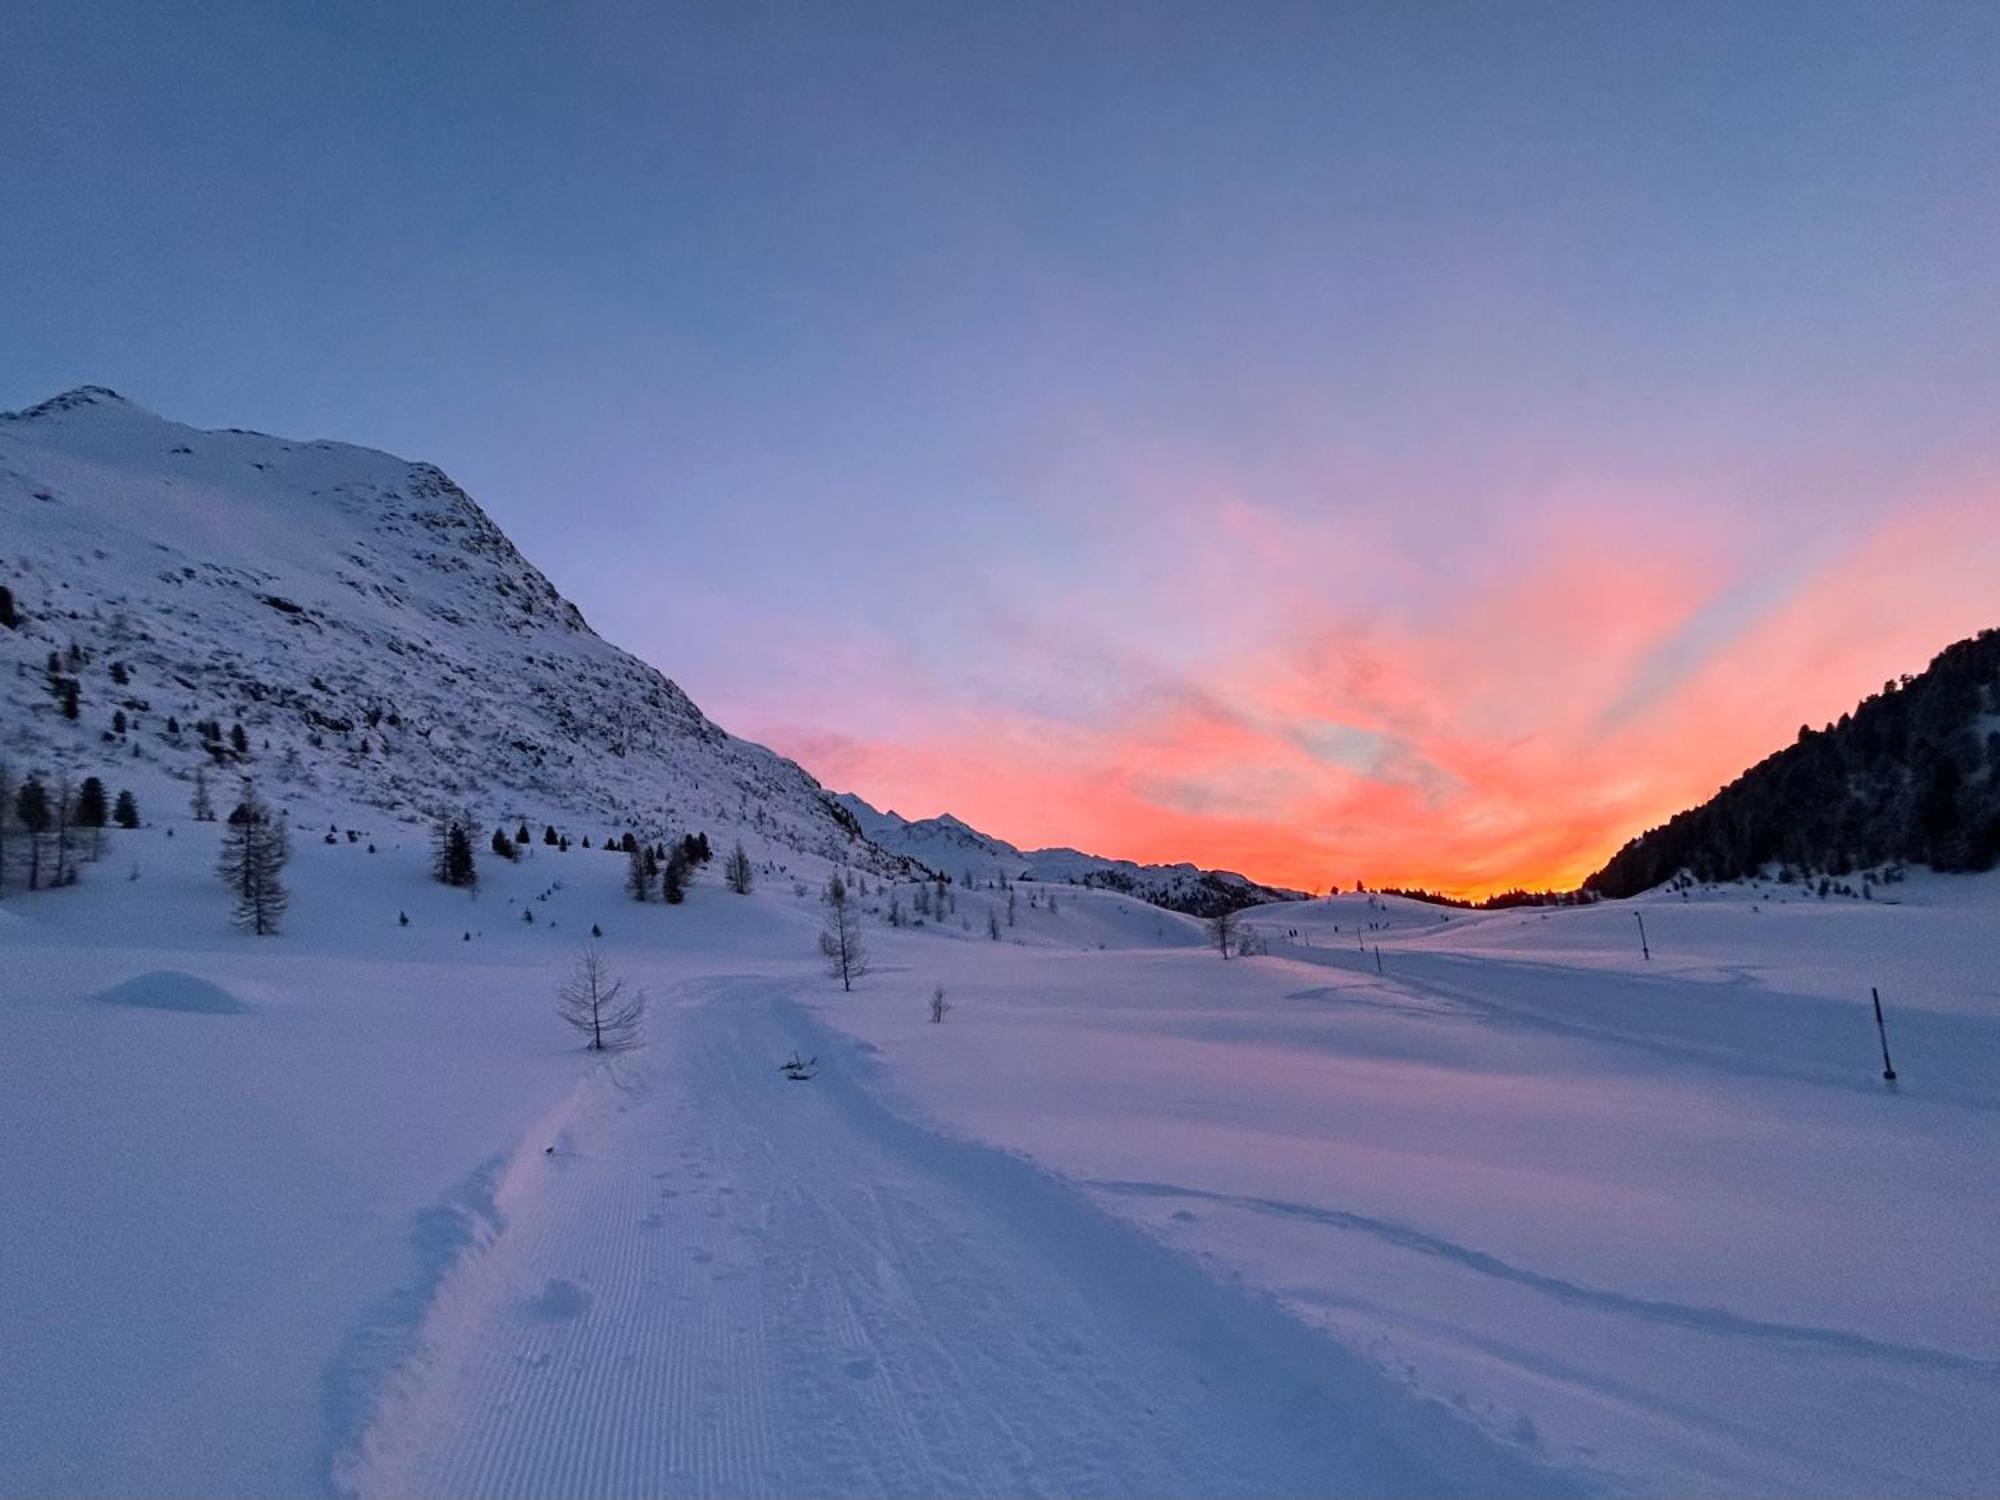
(51, 825)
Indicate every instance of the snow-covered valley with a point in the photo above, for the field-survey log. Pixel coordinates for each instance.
(347, 1209)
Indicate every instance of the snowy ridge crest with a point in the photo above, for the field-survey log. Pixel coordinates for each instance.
(950, 846)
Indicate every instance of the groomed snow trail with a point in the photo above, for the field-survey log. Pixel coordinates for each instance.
(722, 1282)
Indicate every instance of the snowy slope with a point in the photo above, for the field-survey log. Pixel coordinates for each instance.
(956, 849)
(1525, 1213)
(379, 639)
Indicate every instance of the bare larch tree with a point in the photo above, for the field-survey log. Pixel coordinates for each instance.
(255, 847)
(1222, 930)
(840, 937)
(599, 1006)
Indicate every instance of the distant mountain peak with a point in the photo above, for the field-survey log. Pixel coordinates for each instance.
(953, 847)
(74, 400)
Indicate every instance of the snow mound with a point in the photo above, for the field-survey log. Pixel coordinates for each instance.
(169, 989)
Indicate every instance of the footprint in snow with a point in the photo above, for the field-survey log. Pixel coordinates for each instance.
(1182, 1216)
(702, 1257)
(859, 1369)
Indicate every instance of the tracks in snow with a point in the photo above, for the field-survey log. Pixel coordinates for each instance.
(720, 1282)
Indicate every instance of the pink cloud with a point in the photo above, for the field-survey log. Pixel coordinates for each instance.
(1355, 718)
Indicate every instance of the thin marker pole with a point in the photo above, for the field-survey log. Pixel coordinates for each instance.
(1645, 952)
(1378, 958)
(1888, 1069)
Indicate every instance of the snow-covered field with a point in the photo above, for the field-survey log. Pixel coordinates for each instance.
(347, 1210)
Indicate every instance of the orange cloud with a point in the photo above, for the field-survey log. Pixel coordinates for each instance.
(1467, 728)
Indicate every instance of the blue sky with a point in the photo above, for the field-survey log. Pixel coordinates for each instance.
(960, 395)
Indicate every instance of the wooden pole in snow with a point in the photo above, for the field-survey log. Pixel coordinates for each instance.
(1888, 1069)
(1378, 958)
(1644, 951)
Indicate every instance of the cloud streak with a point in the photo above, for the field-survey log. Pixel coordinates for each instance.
(1467, 729)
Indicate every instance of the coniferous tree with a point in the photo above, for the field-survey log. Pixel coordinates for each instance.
(550, 836)
(6, 820)
(238, 740)
(502, 845)
(93, 812)
(9, 615)
(675, 875)
(31, 810)
(202, 806)
(255, 846)
(451, 849)
(599, 1007)
(521, 837)
(840, 937)
(639, 871)
(63, 803)
(1222, 930)
(736, 870)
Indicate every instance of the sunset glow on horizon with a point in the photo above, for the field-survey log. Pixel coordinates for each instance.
(1514, 736)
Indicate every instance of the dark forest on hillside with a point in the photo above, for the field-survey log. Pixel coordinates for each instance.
(1912, 774)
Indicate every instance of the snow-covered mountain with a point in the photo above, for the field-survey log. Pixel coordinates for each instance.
(955, 848)
(377, 637)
